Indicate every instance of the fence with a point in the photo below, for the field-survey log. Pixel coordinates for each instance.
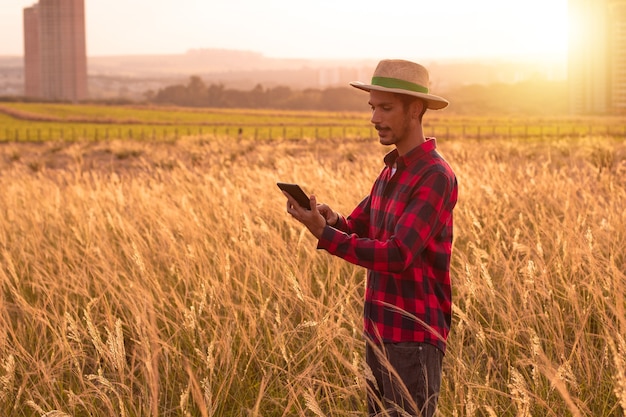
(174, 133)
(160, 133)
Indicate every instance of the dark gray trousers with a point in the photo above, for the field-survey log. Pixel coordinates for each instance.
(407, 377)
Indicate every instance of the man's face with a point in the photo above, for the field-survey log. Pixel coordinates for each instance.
(389, 117)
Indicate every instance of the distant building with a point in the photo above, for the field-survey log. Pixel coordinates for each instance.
(32, 61)
(340, 76)
(597, 56)
(55, 57)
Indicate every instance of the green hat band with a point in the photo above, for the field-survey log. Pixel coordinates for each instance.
(396, 83)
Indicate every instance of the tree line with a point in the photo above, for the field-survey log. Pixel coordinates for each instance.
(535, 96)
(197, 94)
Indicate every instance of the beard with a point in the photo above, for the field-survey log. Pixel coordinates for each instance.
(390, 136)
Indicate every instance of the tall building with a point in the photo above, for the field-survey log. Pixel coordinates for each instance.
(55, 57)
(617, 46)
(32, 62)
(597, 56)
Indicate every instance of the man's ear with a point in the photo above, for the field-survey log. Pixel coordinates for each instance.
(419, 107)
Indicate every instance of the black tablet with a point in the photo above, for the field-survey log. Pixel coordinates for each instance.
(296, 192)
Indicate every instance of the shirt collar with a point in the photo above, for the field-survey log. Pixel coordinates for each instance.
(414, 154)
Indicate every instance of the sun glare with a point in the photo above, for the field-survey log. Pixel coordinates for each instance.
(552, 33)
(576, 31)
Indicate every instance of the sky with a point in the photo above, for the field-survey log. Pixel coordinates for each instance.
(321, 29)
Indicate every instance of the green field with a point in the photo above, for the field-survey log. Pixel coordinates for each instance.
(68, 122)
(44, 122)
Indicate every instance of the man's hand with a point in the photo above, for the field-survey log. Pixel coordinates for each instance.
(329, 214)
(312, 219)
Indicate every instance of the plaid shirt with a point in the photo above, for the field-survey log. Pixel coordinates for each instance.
(402, 233)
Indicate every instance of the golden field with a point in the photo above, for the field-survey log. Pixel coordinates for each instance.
(166, 279)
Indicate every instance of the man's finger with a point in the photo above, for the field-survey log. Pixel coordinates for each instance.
(313, 203)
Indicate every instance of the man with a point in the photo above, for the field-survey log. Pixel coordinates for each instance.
(402, 233)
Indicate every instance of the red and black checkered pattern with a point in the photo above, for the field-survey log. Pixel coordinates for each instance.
(402, 233)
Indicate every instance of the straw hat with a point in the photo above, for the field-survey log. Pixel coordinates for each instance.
(402, 77)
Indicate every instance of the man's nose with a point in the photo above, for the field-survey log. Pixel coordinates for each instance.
(375, 119)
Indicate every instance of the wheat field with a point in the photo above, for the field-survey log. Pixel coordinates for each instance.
(167, 279)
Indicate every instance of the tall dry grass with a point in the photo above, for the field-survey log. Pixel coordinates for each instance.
(167, 280)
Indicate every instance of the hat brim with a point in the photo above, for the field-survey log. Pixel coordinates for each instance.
(433, 102)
